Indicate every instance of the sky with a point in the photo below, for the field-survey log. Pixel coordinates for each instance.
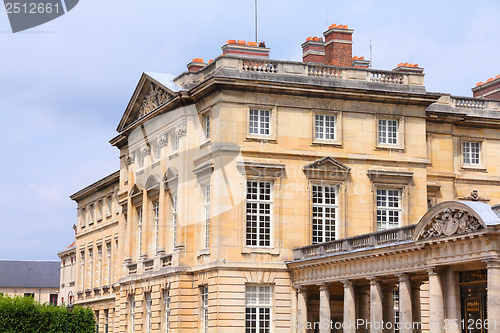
(64, 85)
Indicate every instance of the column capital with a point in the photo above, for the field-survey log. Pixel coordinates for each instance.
(347, 283)
(432, 270)
(323, 286)
(403, 277)
(374, 280)
(492, 262)
(300, 289)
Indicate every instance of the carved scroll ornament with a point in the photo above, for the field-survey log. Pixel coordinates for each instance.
(450, 222)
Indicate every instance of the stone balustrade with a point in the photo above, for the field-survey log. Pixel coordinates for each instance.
(367, 241)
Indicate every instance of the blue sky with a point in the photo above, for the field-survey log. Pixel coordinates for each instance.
(64, 85)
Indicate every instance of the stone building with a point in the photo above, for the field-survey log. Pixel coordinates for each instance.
(257, 195)
(67, 273)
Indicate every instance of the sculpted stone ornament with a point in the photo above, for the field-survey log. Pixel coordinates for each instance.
(181, 128)
(129, 158)
(154, 98)
(145, 149)
(450, 222)
(162, 139)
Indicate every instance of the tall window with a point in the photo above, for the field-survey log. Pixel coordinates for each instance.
(258, 309)
(156, 223)
(90, 268)
(53, 299)
(108, 263)
(206, 125)
(324, 127)
(139, 236)
(99, 209)
(324, 213)
(206, 192)
(158, 153)
(204, 308)
(141, 160)
(388, 131)
(91, 214)
(388, 208)
(260, 122)
(148, 301)
(395, 300)
(83, 212)
(166, 302)
(132, 313)
(471, 152)
(174, 219)
(108, 206)
(175, 144)
(258, 213)
(82, 269)
(99, 266)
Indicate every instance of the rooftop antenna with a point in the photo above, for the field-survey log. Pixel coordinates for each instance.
(256, 40)
(326, 14)
(371, 57)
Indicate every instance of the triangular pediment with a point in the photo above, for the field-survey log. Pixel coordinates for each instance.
(153, 183)
(135, 191)
(327, 168)
(152, 91)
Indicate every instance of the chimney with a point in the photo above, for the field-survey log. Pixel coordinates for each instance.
(489, 89)
(408, 68)
(338, 45)
(313, 50)
(250, 49)
(360, 62)
(196, 65)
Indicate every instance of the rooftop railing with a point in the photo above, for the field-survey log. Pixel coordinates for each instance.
(361, 242)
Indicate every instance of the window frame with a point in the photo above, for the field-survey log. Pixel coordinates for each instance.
(140, 221)
(166, 304)
(400, 135)
(337, 128)
(401, 210)
(207, 192)
(481, 166)
(336, 207)
(174, 209)
(258, 305)
(259, 203)
(272, 135)
(155, 207)
(204, 308)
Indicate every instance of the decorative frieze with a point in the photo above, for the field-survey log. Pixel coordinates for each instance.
(154, 98)
(450, 222)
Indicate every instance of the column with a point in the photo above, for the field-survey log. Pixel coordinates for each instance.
(436, 302)
(493, 296)
(324, 308)
(376, 312)
(452, 305)
(388, 312)
(301, 310)
(363, 310)
(349, 308)
(416, 308)
(405, 305)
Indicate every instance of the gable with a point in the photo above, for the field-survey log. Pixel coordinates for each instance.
(326, 168)
(152, 91)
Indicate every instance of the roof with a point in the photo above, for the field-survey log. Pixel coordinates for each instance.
(166, 80)
(98, 185)
(29, 274)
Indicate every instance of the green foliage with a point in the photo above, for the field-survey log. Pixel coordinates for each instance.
(23, 314)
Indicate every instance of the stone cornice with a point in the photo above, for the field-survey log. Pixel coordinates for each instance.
(93, 188)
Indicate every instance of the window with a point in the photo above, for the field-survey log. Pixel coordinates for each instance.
(158, 153)
(82, 269)
(258, 309)
(148, 304)
(156, 223)
(260, 122)
(90, 267)
(53, 299)
(99, 265)
(395, 300)
(471, 152)
(166, 302)
(132, 312)
(388, 208)
(141, 160)
(204, 308)
(206, 193)
(174, 219)
(99, 210)
(206, 125)
(82, 218)
(32, 295)
(387, 132)
(108, 263)
(139, 225)
(108, 206)
(324, 213)
(324, 127)
(91, 214)
(175, 144)
(258, 213)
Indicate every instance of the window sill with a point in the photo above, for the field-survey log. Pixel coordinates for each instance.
(326, 143)
(262, 139)
(204, 252)
(472, 167)
(389, 147)
(155, 164)
(139, 172)
(99, 219)
(173, 154)
(268, 250)
(205, 143)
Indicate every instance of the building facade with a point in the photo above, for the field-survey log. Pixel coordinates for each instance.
(229, 170)
(67, 274)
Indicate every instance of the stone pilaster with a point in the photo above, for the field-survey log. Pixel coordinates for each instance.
(405, 304)
(301, 310)
(451, 303)
(324, 308)
(493, 285)
(388, 308)
(416, 306)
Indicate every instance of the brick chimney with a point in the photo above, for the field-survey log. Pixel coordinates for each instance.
(313, 50)
(196, 65)
(338, 45)
(250, 49)
(360, 62)
(489, 89)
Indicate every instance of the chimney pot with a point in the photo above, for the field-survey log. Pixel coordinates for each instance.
(338, 45)
(241, 42)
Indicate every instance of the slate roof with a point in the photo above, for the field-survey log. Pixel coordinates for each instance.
(29, 274)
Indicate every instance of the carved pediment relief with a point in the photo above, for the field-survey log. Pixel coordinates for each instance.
(153, 183)
(155, 96)
(448, 219)
(326, 168)
(171, 178)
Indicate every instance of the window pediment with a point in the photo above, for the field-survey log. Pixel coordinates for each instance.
(171, 178)
(136, 194)
(272, 168)
(327, 168)
(390, 175)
